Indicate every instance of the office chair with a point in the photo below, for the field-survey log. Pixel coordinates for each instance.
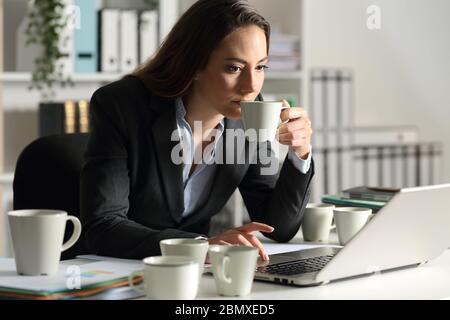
(47, 177)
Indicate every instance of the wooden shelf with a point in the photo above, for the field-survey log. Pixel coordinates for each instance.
(19, 77)
(23, 77)
(284, 75)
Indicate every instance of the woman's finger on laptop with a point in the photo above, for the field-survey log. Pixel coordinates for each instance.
(255, 226)
(256, 243)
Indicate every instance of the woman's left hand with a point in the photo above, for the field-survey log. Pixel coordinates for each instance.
(297, 132)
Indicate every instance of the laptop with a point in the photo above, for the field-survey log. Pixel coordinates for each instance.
(410, 230)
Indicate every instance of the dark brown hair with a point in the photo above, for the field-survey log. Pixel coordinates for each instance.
(189, 45)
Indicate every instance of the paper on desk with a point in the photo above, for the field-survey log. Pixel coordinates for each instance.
(90, 274)
(105, 258)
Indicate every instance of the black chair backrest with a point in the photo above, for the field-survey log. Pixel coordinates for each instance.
(47, 177)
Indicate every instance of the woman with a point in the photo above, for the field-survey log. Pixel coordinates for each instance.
(133, 193)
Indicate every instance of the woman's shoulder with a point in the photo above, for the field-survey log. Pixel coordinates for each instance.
(128, 86)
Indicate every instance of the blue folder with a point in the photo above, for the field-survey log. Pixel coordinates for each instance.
(86, 37)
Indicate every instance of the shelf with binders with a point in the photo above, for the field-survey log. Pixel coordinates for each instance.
(25, 77)
(19, 106)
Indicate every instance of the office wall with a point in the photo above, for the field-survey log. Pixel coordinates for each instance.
(402, 71)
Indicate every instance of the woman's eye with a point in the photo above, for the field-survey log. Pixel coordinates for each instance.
(262, 67)
(234, 69)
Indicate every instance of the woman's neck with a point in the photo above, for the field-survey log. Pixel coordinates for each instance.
(198, 111)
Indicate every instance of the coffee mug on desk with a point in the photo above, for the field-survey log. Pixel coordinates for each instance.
(168, 278)
(349, 221)
(233, 268)
(317, 222)
(194, 248)
(261, 119)
(37, 238)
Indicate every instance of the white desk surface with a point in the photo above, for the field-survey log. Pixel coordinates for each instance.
(430, 281)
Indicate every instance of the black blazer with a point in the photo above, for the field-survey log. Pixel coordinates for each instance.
(132, 193)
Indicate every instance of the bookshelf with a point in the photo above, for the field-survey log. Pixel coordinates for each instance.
(25, 77)
(18, 105)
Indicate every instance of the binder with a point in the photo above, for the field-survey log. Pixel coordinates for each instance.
(83, 112)
(70, 116)
(108, 46)
(332, 100)
(338, 200)
(370, 193)
(148, 34)
(58, 118)
(128, 40)
(66, 41)
(169, 9)
(85, 54)
(316, 101)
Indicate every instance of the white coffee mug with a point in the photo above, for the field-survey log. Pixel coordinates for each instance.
(349, 221)
(261, 119)
(168, 278)
(317, 222)
(194, 248)
(233, 268)
(37, 238)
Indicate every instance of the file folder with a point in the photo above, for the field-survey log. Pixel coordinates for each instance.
(65, 64)
(148, 35)
(58, 118)
(86, 37)
(109, 40)
(128, 40)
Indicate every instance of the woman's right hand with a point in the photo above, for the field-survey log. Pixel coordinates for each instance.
(243, 236)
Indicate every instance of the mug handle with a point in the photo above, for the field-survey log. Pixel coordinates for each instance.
(286, 121)
(333, 226)
(75, 235)
(140, 287)
(221, 270)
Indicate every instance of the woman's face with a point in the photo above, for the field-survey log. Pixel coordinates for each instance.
(235, 72)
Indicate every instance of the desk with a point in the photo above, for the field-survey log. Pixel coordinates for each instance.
(431, 281)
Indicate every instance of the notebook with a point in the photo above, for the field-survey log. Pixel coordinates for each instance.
(71, 281)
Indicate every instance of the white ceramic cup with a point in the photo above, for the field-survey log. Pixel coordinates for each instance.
(233, 268)
(317, 222)
(194, 248)
(261, 119)
(349, 221)
(37, 238)
(168, 278)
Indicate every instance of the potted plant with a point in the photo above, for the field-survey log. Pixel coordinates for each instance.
(47, 20)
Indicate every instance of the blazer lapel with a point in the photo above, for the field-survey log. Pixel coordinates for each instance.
(171, 173)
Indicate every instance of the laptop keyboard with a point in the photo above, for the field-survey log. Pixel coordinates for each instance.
(291, 268)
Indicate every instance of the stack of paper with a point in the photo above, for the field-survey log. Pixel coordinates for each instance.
(284, 52)
(71, 281)
(370, 193)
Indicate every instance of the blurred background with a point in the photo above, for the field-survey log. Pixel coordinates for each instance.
(373, 75)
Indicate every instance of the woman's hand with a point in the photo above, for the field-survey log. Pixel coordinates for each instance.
(243, 236)
(297, 132)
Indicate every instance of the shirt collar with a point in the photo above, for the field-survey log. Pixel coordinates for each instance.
(181, 114)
